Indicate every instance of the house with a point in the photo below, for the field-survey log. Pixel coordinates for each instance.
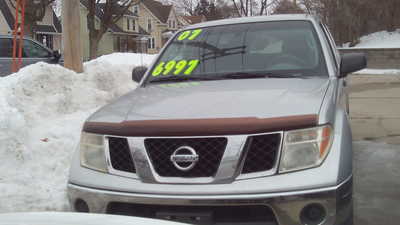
(189, 20)
(127, 35)
(159, 20)
(145, 27)
(48, 31)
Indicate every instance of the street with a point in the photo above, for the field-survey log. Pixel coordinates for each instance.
(375, 113)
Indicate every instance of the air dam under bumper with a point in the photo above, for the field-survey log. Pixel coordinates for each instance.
(287, 207)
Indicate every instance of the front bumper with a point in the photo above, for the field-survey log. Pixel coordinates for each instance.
(286, 206)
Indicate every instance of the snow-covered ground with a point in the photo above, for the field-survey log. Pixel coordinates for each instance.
(378, 72)
(42, 109)
(382, 39)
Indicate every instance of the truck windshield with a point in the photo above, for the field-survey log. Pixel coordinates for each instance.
(281, 48)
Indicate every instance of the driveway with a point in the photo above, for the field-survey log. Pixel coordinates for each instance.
(375, 113)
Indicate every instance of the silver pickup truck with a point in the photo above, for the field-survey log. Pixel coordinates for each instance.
(238, 121)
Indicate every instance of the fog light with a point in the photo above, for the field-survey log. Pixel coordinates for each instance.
(313, 214)
(81, 206)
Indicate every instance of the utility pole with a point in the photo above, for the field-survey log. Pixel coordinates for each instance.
(71, 35)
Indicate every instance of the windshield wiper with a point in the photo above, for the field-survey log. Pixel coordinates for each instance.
(288, 75)
(234, 75)
(182, 78)
(250, 75)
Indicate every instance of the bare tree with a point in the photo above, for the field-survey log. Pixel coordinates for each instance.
(252, 7)
(108, 13)
(185, 7)
(350, 19)
(287, 6)
(35, 10)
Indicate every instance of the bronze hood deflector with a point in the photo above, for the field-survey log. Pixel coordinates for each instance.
(201, 127)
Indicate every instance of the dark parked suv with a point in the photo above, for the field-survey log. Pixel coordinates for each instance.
(33, 52)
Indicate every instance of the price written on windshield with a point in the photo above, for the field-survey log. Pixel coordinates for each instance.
(190, 35)
(176, 67)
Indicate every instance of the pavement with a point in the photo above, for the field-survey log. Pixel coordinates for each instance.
(375, 107)
(375, 114)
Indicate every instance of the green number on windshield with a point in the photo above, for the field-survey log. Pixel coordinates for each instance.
(158, 70)
(190, 35)
(195, 34)
(180, 66)
(192, 66)
(184, 35)
(169, 67)
(166, 68)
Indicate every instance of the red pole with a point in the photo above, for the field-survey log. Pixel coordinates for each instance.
(14, 62)
(21, 40)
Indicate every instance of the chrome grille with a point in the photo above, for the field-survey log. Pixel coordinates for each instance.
(120, 154)
(209, 150)
(261, 153)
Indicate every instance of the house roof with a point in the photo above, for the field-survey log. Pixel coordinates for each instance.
(9, 16)
(114, 27)
(45, 29)
(120, 10)
(117, 29)
(194, 19)
(158, 9)
(5, 10)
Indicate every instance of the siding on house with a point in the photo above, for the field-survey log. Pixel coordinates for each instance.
(173, 19)
(144, 16)
(48, 17)
(159, 15)
(106, 43)
(3, 25)
(117, 39)
(48, 26)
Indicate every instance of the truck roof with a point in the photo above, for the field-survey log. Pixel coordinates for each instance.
(255, 19)
(11, 36)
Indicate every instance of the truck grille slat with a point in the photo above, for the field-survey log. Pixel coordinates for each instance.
(120, 154)
(209, 150)
(262, 153)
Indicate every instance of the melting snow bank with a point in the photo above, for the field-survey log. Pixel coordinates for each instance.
(382, 39)
(378, 72)
(42, 109)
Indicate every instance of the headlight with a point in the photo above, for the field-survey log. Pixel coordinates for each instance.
(92, 152)
(305, 148)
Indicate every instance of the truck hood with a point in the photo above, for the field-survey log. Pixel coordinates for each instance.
(259, 98)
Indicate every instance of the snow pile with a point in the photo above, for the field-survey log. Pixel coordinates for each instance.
(382, 39)
(42, 110)
(378, 72)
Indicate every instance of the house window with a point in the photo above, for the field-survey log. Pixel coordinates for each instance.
(136, 9)
(149, 25)
(128, 24)
(174, 24)
(45, 39)
(169, 24)
(133, 24)
(151, 43)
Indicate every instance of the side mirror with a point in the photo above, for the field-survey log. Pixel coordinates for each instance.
(352, 62)
(56, 55)
(138, 73)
